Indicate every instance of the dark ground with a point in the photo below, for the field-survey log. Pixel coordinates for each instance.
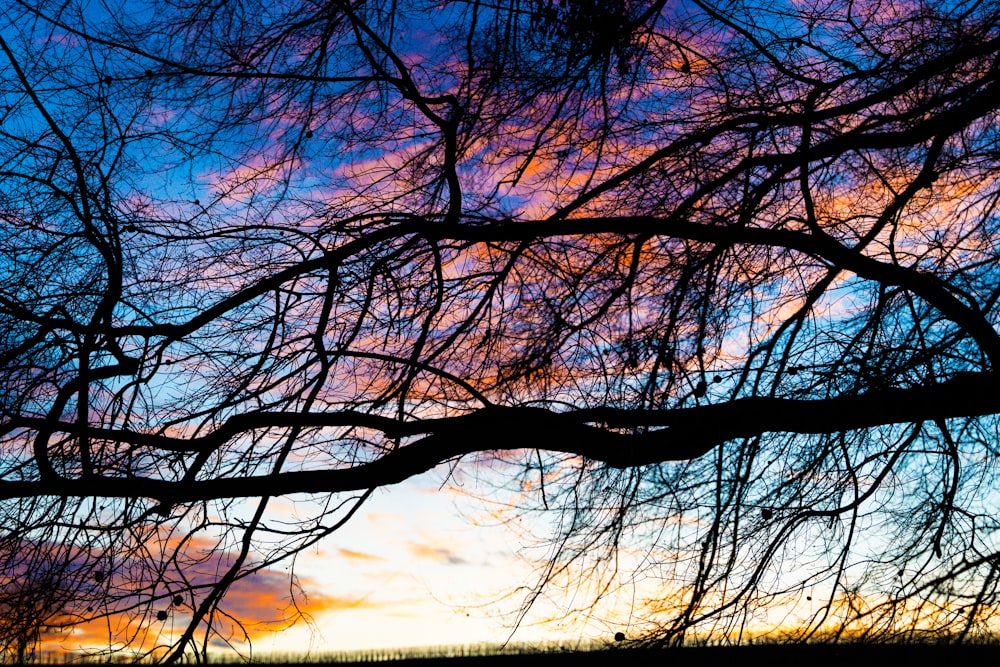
(767, 655)
(814, 655)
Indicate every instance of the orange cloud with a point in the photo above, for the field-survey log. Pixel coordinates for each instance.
(272, 597)
(133, 614)
(350, 554)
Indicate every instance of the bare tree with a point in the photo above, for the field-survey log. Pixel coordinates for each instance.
(720, 276)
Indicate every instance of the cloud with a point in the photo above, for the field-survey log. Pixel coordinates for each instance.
(435, 553)
(106, 602)
(350, 554)
(272, 597)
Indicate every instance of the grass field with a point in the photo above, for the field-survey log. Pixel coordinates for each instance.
(763, 655)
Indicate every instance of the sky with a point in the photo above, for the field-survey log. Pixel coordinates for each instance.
(431, 561)
(418, 568)
(424, 564)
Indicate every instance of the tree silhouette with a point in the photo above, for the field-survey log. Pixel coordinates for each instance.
(722, 276)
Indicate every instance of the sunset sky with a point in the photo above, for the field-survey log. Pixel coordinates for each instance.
(424, 564)
(693, 314)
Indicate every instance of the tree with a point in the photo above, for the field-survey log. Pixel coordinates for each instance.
(721, 276)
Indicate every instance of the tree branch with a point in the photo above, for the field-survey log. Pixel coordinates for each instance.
(677, 435)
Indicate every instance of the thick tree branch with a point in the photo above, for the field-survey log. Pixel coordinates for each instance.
(932, 289)
(676, 435)
(929, 287)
